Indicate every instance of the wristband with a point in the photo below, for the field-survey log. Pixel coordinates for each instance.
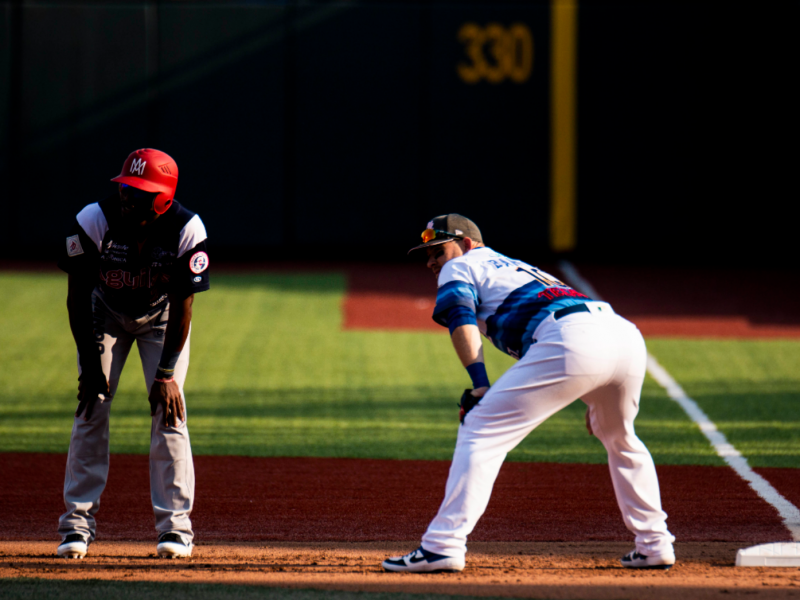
(163, 374)
(166, 366)
(477, 372)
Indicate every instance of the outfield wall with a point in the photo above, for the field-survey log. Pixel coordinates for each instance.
(308, 126)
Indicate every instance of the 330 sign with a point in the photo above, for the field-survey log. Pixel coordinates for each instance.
(495, 53)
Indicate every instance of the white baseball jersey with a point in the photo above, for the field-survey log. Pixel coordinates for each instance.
(505, 298)
(594, 355)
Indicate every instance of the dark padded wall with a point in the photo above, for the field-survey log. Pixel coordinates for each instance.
(686, 116)
(302, 129)
(357, 126)
(489, 142)
(220, 115)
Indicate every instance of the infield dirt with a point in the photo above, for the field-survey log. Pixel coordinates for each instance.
(328, 524)
(584, 570)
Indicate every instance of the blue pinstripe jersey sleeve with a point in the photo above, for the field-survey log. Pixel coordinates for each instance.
(455, 294)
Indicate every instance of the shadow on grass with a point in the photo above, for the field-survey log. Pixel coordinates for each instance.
(414, 422)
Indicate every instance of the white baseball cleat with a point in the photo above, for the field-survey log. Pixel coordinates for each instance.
(172, 545)
(73, 546)
(422, 561)
(635, 560)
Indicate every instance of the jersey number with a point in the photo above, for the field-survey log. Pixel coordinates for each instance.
(540, 276)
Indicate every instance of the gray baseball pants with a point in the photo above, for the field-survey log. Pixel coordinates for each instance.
(171, 466)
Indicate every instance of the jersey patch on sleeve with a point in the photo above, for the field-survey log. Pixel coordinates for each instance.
(198, 263)
(74, 247)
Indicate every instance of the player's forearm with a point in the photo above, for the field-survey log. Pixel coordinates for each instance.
(79, 308)
(469, 347)
(178, 324)
(180, 319)
(467, 343)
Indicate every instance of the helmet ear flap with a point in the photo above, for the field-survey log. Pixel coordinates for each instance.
(162, 203)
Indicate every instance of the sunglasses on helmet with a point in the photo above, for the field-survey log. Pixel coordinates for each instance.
(438, 234)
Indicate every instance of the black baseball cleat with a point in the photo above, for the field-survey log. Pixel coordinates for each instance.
(172, 545)
(635, 560)
(73, 546)
(422, 561)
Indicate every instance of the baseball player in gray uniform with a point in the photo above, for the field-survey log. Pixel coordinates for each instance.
(568, 347)
(135, 261)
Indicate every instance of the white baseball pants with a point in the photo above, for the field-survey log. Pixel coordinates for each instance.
(596, 356)
(171, 466)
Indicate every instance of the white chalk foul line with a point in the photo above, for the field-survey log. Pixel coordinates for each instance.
(788, 512)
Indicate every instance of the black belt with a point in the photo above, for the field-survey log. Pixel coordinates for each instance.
(563, 312)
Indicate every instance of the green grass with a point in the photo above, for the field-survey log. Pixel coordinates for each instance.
(749, 388)
(97, 589)
(273, 374)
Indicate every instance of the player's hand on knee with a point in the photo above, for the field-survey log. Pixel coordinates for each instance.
(91, 388)
(168, 395)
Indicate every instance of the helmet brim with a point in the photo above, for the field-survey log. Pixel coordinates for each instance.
(143, 184)
(432, 243)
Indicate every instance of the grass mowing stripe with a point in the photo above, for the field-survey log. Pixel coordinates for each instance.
(788, 512)
(98, 589)
(273, 374)
(746, 387)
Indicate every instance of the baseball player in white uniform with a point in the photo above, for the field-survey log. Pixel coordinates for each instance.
(568, 347)
(135, 261)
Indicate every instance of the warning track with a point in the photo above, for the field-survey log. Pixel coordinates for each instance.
(669, 302)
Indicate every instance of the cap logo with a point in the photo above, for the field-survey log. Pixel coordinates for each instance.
(430, 225)
(459, 232)
(137, 166)
(165, 169)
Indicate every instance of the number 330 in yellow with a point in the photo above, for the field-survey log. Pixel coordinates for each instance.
(510, 53)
